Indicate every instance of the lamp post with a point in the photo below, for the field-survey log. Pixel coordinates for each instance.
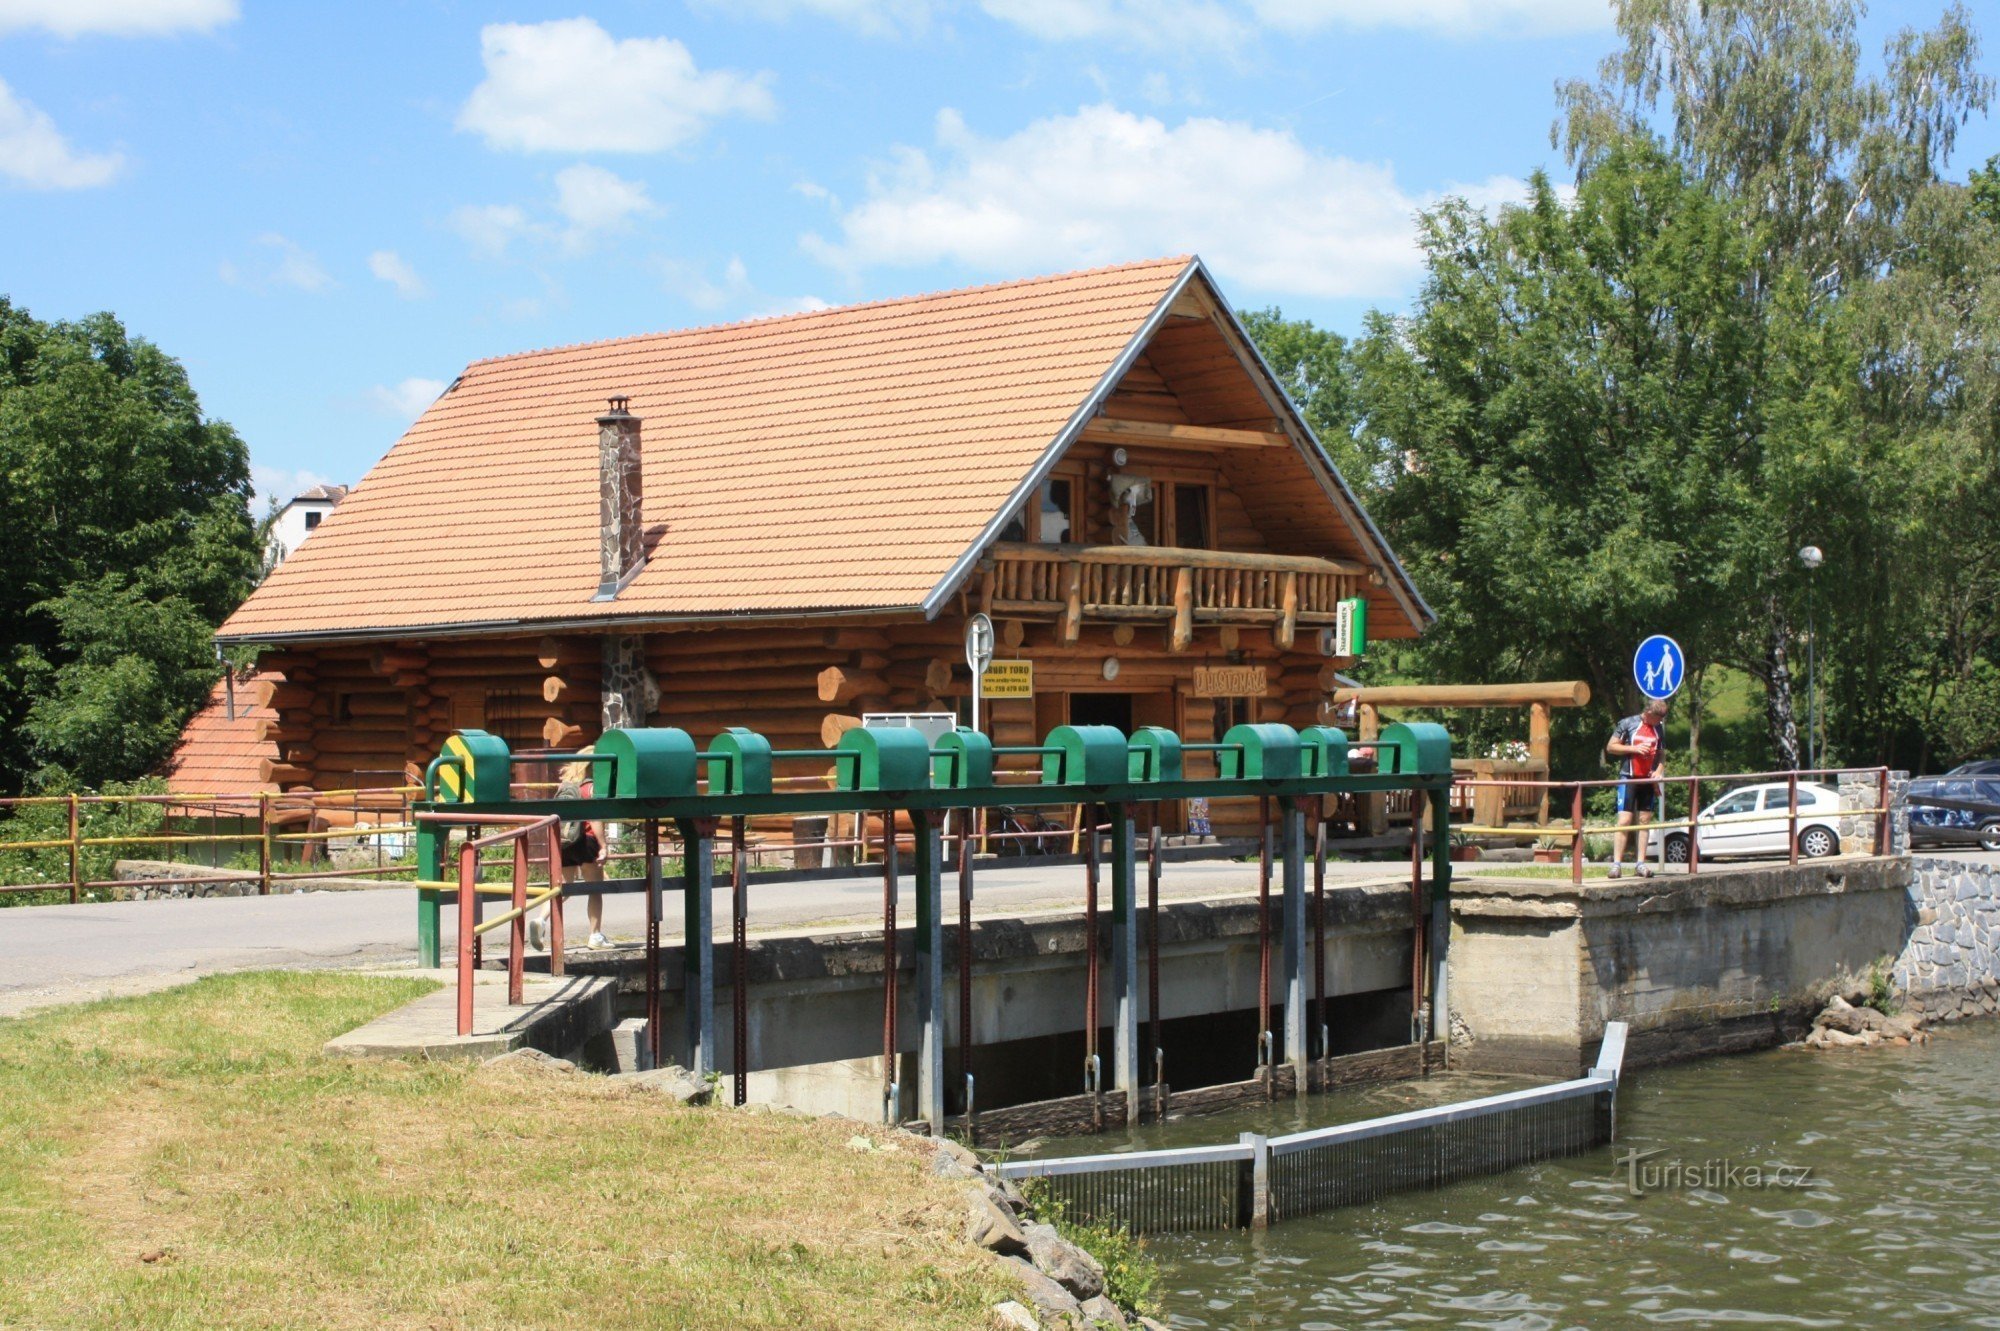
(1811, 557)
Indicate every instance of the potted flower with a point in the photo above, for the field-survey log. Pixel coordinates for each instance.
(1551, 849)
(1463, 849)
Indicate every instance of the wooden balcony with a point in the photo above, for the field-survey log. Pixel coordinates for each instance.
(1183, 588)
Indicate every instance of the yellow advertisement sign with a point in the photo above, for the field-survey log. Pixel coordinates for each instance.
(1009, 679)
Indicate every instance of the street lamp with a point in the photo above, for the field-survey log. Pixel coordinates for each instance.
(1811, 557)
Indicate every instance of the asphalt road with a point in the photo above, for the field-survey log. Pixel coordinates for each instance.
(58, 954)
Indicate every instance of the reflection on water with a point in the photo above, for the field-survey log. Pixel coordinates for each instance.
(1898, 1222)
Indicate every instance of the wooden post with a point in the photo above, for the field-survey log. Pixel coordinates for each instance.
(1072, 620)
(1183, 633)
(1288, 614)
(1576, 837)
(1538, 750)
(75, 856)
(1373, 807)
(264, 841)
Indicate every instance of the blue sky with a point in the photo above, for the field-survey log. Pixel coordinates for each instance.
(326, 210)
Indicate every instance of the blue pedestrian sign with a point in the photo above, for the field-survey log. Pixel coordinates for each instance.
(1658, 666)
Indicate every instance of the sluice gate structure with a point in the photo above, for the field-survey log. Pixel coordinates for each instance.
(657, 780)
(1258, 1180)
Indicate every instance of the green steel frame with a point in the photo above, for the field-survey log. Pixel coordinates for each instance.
(657, 776)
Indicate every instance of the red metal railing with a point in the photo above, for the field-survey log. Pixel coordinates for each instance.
(1577, 828)
(517, 833)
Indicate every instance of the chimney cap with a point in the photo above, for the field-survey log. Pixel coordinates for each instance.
(619, 404)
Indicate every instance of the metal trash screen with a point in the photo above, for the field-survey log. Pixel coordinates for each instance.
(1261, 1180)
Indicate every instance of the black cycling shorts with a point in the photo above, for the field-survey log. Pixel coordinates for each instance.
(1637, 796)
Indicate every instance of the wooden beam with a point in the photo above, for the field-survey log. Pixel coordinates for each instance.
(1288, 618)
(1561, 693)
(1183, 634)
(1107, 429)
(1072, 620)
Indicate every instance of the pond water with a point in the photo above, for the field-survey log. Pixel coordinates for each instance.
(1865, 1192)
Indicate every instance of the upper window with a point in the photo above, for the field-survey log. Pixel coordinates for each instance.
(312, 518)
(1055, 511)
(1192, 508)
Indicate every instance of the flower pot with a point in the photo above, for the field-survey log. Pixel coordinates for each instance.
(1550, 855)
(1466, 854)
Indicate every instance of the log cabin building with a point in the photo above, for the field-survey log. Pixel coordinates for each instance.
(786, 523)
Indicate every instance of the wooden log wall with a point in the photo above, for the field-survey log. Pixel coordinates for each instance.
(352, 715)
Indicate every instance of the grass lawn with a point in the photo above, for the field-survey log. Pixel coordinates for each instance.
(187, 1159)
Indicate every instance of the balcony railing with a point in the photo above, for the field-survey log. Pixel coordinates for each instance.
(1125, 583)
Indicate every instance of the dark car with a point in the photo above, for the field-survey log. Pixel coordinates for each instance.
(1984, 767)
(1975, 822)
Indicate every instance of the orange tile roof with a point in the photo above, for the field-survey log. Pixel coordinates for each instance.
(218, 756)
(838, 459)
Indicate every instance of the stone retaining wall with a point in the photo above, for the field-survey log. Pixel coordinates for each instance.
(1950, 965)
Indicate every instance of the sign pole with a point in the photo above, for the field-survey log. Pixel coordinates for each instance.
(978, 656)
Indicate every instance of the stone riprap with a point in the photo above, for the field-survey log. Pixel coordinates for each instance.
(1950, 965)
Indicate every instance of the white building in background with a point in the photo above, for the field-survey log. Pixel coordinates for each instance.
(297, 520)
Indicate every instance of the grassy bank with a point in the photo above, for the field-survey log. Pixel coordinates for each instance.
(187, 1159)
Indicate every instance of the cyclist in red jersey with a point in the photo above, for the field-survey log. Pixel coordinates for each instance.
(1637, 744)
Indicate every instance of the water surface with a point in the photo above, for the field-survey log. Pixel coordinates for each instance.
(1896, 1221)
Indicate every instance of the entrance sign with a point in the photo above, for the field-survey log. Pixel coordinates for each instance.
(1659, 666)
(1236, 681)
(1350, 627)
(1010, 679)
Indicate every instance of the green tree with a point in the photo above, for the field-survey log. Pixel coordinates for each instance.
(1570, 396)
(125, 537)
(1767, 104)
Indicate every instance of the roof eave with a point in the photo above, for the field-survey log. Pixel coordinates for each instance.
(488, 628)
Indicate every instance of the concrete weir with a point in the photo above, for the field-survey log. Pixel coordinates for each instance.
(816, 1011)
(1715, 963)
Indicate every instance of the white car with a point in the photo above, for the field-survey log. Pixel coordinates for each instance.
(1755, 820)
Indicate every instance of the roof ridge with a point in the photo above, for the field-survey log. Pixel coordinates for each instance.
(767, 320)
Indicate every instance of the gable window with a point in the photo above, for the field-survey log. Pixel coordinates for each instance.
(1055, 511)
(312, 518)
(1193, 506)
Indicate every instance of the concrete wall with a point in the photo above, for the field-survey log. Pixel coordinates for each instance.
(1722, 961)
(1950, 967)
(816, 1003)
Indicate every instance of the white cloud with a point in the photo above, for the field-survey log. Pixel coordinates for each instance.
(595, 201)
(1195, 24)
(34, 153)
(877, 17)
(795, 305)
(693, 285)
(281, 484)
(1104, 185)
(277, 262)
(116, 18)
(569, 86)
(1453, 17)
(491, 227)
(394, 269)
(407, 399)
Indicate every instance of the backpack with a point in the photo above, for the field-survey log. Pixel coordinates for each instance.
(572, 830)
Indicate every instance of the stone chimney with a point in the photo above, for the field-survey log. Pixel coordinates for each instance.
(621, 548)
